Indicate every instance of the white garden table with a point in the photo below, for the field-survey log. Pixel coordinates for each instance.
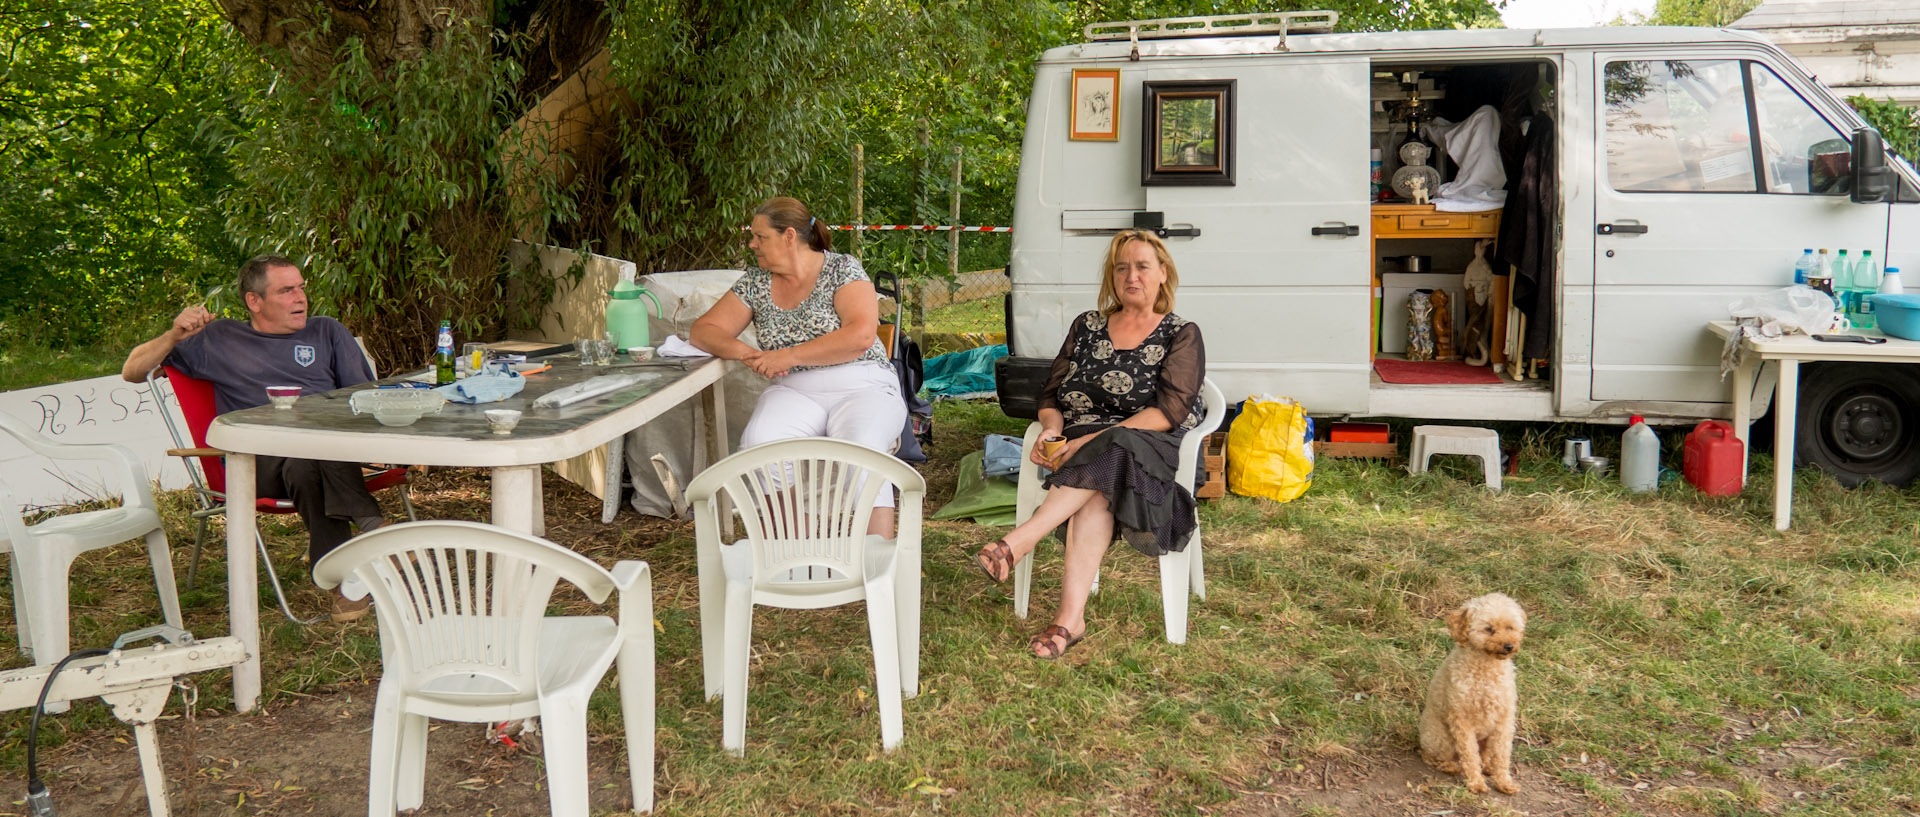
(323, 427)
(1788, 351)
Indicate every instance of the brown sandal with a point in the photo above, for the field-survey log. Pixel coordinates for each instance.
(1043, 647)
(995, 560)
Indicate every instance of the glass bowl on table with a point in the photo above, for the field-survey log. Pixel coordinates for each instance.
(397, 407)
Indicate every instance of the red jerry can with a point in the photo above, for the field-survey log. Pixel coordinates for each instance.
(1714, 459)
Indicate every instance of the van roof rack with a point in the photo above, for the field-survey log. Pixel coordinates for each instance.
(1220, 25)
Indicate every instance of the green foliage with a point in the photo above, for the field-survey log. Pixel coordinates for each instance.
(397, 190)
(1898, 124)
(107, 192)
(1708, 13)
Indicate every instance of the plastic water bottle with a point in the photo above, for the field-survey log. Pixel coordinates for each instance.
(1639, 456)
(1803, 267)
(1842, 282)
(1890, 282)
(1864, 281)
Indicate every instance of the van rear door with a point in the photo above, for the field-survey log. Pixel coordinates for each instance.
(1713, 173)
(1278, 277)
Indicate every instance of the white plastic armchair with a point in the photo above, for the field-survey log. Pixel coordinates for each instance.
(464, 636)
(43, 554)
(804, 504)
(1179, 572)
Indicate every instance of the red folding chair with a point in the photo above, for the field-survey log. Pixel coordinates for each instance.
(207, 467)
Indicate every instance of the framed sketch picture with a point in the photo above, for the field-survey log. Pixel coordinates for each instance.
(1096, 105)
(1187, 135)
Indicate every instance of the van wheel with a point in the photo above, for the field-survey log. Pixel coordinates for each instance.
(1860, 421)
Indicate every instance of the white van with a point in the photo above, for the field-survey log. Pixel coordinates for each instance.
(1687, 167)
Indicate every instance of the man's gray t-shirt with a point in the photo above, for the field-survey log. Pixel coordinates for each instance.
(241, 362)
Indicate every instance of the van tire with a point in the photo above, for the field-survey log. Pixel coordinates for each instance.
(1860, 421)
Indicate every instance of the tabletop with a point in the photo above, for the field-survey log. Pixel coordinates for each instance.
(323, 426)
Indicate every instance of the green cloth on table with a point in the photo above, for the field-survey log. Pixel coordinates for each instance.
(989, 501)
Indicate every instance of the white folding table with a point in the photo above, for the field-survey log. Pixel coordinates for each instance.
(323, 427)
(1789, 351)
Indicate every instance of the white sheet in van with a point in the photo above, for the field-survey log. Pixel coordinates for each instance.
(1474, 145)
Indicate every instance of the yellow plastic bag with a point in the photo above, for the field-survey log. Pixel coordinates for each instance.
(1270, 449)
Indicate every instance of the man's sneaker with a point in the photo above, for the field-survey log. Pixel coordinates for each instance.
(346, 609)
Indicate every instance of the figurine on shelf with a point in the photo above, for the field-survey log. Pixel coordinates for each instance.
(1417, 189)
(1475, 339)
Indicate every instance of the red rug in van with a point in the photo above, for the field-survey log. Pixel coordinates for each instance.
(1432, 372)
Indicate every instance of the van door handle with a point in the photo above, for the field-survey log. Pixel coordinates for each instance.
(1610, 229)
(1339, 229)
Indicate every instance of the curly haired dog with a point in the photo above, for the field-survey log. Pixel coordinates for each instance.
(1467, 725)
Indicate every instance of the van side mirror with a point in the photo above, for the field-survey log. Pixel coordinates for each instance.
(1872, 179)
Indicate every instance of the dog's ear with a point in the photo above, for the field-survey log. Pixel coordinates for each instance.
(1457, 624)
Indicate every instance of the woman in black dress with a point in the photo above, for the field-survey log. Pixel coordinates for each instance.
(1124, 389)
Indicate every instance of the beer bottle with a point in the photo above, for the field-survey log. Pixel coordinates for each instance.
(443, 355)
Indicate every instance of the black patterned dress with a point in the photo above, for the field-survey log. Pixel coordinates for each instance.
(1095, 387)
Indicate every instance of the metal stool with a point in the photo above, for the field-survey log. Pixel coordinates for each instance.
(1473, 442)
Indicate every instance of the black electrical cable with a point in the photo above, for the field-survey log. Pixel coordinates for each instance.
(34, 786)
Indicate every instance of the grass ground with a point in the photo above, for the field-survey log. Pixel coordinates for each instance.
(1682, 658)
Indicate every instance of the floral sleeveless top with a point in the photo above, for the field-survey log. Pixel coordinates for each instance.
(815, 316)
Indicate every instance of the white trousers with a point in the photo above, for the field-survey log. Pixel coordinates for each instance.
(856, 402)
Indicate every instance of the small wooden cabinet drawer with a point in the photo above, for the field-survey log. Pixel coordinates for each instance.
(1449, 222)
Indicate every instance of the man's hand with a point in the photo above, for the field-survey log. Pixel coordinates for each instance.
(190, 321)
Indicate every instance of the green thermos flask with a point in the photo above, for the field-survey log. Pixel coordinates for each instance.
(627, 314)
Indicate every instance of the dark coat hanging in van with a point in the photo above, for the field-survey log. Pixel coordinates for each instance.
(1527, 235)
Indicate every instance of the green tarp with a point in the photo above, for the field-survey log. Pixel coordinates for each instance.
(988, 500)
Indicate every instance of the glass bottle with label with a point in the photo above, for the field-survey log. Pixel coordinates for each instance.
(443, 355)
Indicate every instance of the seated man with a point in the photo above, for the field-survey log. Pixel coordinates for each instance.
(279, 346)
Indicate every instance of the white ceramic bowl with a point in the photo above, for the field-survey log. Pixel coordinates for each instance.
(502, 421)
(639, 354)
(397, 407)
(282, 397)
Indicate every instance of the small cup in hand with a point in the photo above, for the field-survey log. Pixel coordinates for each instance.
(1051, 446)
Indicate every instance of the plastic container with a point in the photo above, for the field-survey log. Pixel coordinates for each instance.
(1639, 456)
(397, 407)
(1803, 267)
(627, 312)
(1898, 314)
(1713, 458)
(1890, 282)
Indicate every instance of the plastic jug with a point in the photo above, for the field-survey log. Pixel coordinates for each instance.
(627, 314)
(1639, 456)
(1714, 458)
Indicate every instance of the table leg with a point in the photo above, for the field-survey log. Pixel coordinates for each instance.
(713, 403)
(1786, 402)
(1743, 381)
(243, 584)
(514, 497)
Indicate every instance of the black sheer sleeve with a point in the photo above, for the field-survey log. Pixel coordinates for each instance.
(1181, 373)
(1050, 396)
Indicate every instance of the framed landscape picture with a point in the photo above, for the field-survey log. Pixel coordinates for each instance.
(1096, 105)
(1187, 136)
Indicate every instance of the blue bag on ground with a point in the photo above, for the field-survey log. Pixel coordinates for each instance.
(1001, 457)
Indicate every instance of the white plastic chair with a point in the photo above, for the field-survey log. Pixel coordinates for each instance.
(43, 554)
(1178, 571)
(464, 636)
(805, 504)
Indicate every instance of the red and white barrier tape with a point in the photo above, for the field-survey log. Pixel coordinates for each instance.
(925, 227)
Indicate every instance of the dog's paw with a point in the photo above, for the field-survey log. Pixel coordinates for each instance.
(1477, 785)
(1446, 766)
(1505, 784)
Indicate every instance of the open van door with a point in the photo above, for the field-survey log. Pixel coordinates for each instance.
(1282, 250)
(1713, 173)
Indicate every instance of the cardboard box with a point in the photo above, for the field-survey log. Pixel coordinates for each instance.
(1394, 289)
(1213, 457)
